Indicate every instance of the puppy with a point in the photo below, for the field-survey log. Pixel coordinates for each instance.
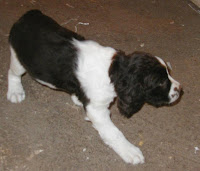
(92, 74)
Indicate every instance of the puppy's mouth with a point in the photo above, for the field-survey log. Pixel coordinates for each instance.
(176, 97)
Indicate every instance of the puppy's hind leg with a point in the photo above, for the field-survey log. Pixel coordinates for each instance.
(15, 92)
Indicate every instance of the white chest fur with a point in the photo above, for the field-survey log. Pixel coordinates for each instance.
(93, 65)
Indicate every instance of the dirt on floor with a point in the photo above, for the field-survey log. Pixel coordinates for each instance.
(48, 132)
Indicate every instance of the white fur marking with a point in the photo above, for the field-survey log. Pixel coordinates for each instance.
(92, 71)
(15, 92)
(173, 94)
(76, 100)
(46, 84)
(169, 65)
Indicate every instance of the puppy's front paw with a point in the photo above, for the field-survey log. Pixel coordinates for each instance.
(16, 95)
(131, 154)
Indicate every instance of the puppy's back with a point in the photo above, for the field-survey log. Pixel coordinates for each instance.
(44, 48)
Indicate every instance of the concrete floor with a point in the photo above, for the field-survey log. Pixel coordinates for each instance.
(47, 132)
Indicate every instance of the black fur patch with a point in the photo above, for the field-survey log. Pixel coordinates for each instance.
(46, 51)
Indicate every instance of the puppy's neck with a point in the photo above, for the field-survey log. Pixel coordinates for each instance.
(118, 68)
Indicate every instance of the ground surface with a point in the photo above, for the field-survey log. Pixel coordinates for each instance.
(47, 132)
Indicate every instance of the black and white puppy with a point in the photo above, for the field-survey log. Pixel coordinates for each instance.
(92, 74)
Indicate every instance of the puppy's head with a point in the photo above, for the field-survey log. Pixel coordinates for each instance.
(142, 78)
(160, 88)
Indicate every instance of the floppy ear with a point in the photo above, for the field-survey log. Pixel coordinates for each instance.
(130, 100)
(129, 109)
(128, 79)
